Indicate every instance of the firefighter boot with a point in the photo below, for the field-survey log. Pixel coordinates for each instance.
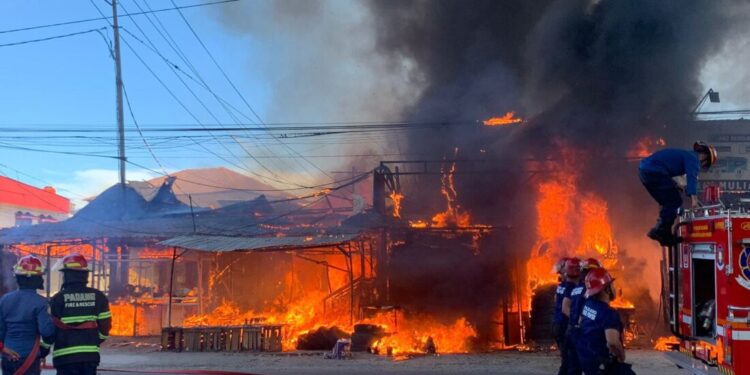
(662, 234)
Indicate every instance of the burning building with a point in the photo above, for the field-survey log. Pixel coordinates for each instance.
(562, 97)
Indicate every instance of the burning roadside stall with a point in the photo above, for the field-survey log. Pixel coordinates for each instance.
(119, 232)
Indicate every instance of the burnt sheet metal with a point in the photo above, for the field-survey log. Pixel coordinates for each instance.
(228, 243)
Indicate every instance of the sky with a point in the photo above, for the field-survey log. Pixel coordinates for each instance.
(290, 61)
(69, 83)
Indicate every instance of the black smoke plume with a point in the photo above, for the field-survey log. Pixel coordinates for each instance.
(591, 76)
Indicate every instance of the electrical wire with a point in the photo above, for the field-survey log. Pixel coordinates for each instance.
(52, 37)
(234, 87)
(107, 18)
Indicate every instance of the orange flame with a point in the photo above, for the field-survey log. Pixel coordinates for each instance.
(126, 319)
(506, 119)
(665, 344)
(396, 198)
(646, 146)
(569, 223)
(454, 215)
(413, 335)
(403, 334)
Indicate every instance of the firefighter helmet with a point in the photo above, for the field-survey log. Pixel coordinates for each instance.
(590, 263)
(74, 262)
(560, 265)
(29, 266)
(573, 267)
(710, 151)
(596, 281)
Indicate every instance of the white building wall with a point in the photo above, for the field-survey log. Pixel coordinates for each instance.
(8, 214)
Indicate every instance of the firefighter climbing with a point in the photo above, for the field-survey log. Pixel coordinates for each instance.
(82, 317)
(657, 173)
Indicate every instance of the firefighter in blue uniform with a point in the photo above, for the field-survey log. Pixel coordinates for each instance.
(657, 172)
(577, 299)
(83, 320)
(570, 273)
(599, 345)
(25, 325)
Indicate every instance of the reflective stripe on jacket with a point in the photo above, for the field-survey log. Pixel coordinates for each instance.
(84, 323)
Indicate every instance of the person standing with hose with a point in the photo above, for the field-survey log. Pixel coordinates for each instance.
(83, 320)
(26, 330)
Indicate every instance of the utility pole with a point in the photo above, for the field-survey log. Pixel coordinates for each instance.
(118, 82)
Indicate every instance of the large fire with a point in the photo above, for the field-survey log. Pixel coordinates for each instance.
(403, 334)
(570, 222)
(507, 119)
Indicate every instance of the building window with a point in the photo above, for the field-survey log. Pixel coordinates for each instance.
(24, 218)
(46, 219)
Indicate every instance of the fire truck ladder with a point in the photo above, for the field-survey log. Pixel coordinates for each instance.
(671, 264)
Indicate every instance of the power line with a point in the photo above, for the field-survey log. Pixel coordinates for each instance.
(328, 187)
(145, 142)
(276, 177)
(186, 180)
(99, 30)
(234, 87)
(167, 88)
(109, 17)
(281, 127)
(179, 101)
(201, 82)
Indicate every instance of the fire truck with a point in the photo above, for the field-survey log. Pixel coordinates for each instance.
(707, 287)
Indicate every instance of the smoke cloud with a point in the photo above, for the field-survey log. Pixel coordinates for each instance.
(320, 61)
(592, 75)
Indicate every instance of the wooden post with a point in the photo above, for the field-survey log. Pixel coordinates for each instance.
(49, 273)
(171, 285)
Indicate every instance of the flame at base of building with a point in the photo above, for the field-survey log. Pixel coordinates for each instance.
(400, 334)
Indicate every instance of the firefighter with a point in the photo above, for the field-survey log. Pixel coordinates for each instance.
(657, 172)
(82, 317)
(25, 325)
(570, 274)
(599, 345)
(577, 299)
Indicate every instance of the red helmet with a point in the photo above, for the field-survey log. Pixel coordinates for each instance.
(596, 280)
(590, 263)
(573, 267)
(29, 266)
(560, 265)
(74, 262)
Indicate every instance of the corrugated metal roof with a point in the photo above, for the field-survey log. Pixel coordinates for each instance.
(226, 243)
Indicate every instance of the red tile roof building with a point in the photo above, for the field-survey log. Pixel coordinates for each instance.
(22, 204)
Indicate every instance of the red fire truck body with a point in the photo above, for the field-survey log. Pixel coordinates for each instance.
(708, 297)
